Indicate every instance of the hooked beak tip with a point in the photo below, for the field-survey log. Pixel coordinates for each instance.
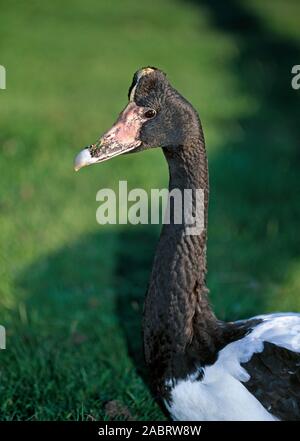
(83, 159)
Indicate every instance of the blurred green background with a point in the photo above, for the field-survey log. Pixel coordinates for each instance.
(71, 291)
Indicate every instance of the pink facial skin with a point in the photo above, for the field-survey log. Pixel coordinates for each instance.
(125, 132)
(121, 138)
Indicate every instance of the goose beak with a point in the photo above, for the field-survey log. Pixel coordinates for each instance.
(123, 137)
(83, 159)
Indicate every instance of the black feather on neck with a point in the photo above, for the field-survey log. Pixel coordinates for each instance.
(180, 329)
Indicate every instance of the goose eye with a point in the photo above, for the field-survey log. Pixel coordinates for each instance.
(150, 113)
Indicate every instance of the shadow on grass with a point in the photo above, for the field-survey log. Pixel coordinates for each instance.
(80, 304)
(135, 255)
(254, 209)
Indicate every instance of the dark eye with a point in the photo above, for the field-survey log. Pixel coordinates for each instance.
(150, 113)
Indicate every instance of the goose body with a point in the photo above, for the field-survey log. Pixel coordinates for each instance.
(202, 368)
(222, 392)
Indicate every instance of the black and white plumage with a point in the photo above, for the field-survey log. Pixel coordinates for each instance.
(254, 378)
(203, 368)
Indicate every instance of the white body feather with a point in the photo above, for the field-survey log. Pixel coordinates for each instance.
(221, 395)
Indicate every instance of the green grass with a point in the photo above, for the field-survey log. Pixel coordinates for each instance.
(71, 291)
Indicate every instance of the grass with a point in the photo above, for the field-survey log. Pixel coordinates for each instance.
(71, 290)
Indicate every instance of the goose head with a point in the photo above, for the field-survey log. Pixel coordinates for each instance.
(155, 116)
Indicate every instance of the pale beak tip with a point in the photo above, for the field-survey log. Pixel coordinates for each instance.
(83, 159)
